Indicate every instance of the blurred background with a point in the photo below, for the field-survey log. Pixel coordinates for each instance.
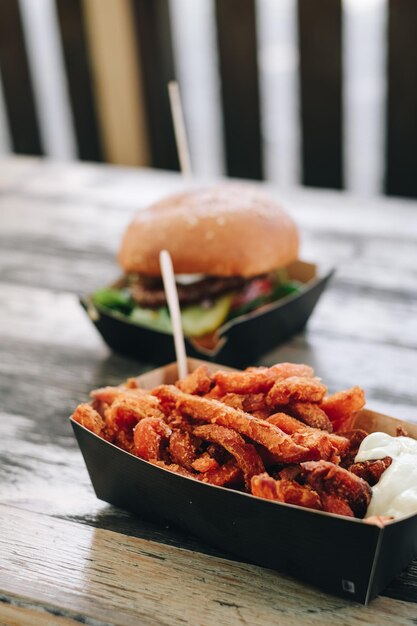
(315, 92)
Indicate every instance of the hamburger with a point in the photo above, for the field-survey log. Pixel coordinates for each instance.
(229, 244)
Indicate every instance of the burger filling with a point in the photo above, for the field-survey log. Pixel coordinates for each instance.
(206, 302)
(149, 292)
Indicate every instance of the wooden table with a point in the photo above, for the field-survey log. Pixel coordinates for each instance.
(67, 557)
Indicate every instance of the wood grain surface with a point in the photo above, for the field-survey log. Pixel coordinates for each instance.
(126, 580)
(67, 557)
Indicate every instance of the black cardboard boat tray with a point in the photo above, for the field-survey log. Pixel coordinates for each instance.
(240, 342)
(343, 556)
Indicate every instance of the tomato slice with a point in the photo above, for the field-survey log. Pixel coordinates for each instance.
(257, 288)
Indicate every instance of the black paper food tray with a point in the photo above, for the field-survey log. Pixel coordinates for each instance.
(241, 341)
(343, 556)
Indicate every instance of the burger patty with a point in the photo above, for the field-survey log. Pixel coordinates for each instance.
(149, 292)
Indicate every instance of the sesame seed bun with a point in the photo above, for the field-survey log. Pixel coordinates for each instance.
(224, 230)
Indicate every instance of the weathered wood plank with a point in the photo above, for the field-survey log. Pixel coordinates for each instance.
(109, 186)
(49, 475)
(18, 615)
(111, 577)
(56, 320)
(124, 188)
(385, 370)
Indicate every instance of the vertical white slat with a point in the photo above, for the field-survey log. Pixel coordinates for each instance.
(279, 88)
(5, 139)
(41, 31)
(195, 53)
(364, 88)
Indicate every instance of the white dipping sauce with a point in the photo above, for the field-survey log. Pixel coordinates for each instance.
(395, 494)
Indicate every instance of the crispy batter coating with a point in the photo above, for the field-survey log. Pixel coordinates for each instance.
(216, 393)
(218, 453)
(205, 463)
(198, 382)
(177, 421)
(228, 474)
(108, 395)
(148, 436)
(342, 407)
(183, 448)
(296, 389)
(260, 431)
(302, 495)
(259, 379)
(311, 414)
(126, 411)
(245, 454)
(235, 400)
(85, 415)
(355, 437)
(124, 439)
(254, 403)
(323, 445)
(326, 477)
(334, 504)
(292, 472)
(371, 471)
(264, 486)
(173, 467)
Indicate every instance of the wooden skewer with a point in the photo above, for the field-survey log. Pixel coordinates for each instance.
(170, 287)
(179, 129)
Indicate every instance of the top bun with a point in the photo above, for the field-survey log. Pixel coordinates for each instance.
(223, 230)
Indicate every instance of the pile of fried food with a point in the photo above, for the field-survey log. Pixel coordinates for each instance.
(272, 432)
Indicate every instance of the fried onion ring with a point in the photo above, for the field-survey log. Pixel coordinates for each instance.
(173, 467)
(245, 454)
(355, 437)
(148, 436)
(371, 471)
(322, 444)
(183, 448)
(108, 395)
(205, 463)
(260, 431)
(126, 411)
(199, 382)
(258, 379)
(264, 486)
(342, 407)
(334, 504)
(311, 414)
(88, 417)
(326, 477)
(296, 389)
(227, 474)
